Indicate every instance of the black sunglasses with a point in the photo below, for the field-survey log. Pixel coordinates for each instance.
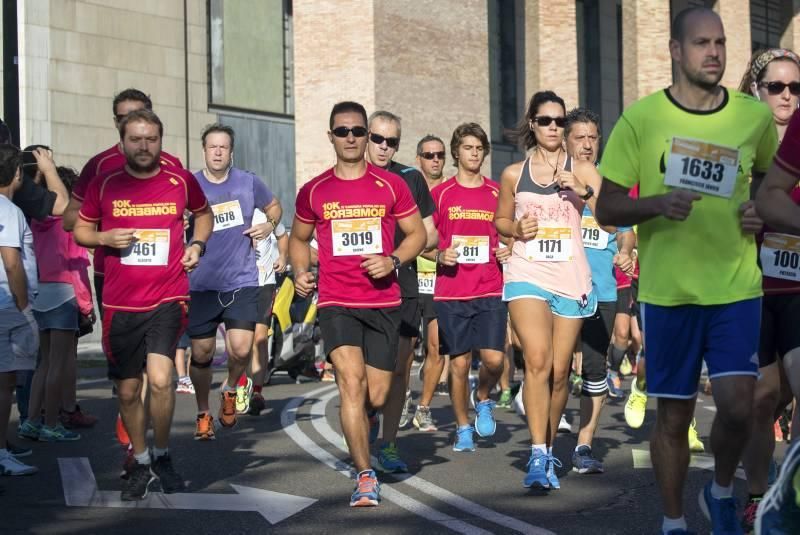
(432, 155)
(343, 131)
(546, 120)
(776, 88)
(392, 142)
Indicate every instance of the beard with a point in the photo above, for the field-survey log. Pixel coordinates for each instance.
(142, 168)
(706, 82)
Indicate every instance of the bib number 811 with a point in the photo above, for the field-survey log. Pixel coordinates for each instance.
(695, 167)
(355, 239)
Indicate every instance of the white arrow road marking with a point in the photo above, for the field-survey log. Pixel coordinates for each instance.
(641, 459)
(80, 490)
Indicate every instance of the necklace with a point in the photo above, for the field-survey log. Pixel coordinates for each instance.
(554, 167)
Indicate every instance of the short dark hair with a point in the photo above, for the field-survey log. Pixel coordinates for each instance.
(429, 137)
(468, 129)
(217, 127)
(524, 134)
(132, 94)
(581, 115)
(68, 176)
(29, 165)
(146, 116)
(345, 107)
(10, 163)
(677, 30)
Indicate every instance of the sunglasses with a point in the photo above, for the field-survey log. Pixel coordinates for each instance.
(776, 88)
(343, 131)
(546, 120)
(432, 155)
(392, 142)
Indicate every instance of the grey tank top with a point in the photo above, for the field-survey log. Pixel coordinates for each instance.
(527, 184)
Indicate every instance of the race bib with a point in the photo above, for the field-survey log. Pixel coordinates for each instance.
(552, 244)
(227, 215)
(780, 256)
(150, 248)
(356, 236)
(426, 282)
(593, 236)
(702, 167)
(471, 249)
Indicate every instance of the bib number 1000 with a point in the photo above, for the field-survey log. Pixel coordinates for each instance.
(697, 168)
(786, 259)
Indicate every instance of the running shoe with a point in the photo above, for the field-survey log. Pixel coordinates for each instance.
(505, 399)
(442, 390)
(122, 433)
(257, 404)
(77, 419)
(204, 427)
(404, 414)
(625, 367)
(171, 481)
(374, 425)
(57, 433)
(537, 471)
(778, 431)
(563, 425)
(695, 444)
(614, 386)
(423, 420)
(137, 484)
(721, 512)
(184, 386)
(464, 440)
(29, 430)
(779, 510)
(11, 466)
(327, 376)
(227, 408)
(389, 459)
(576, 384)
(243, 394)
(749, 516)
(552, 478)
(485, 424)
(584, 463)
(18, 451)
(635, 407)
(367, 492)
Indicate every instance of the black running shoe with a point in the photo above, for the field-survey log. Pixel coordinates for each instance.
(137, 484)
(171, 481)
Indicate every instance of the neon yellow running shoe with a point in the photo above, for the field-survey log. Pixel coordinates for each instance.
(695, 444)
(635, 407)
(625, 367)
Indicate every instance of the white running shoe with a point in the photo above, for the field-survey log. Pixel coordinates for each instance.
(563, 425)
(11, 466)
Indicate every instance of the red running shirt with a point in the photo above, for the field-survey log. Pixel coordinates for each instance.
(149, 272)
(354, 217)
(110, 159)
(464, 218)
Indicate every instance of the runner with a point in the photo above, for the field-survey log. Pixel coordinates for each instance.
(682, 145)
(548, 283)
(141, 208)
(469, 282)
(354, 207)
(606, 249)
(384, 141)
(769, 78)
(431, 156)
(224, 288)
(777, 202)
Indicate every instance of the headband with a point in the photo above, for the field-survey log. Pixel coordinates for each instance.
(765, 58)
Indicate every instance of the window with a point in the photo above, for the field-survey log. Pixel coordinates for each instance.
(766, 25)
(503, 64)
(250, 43)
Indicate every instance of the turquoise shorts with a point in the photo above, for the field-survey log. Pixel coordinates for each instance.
(565, 307)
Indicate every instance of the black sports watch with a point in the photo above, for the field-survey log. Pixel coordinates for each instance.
(202, 245)
(589, 193)
(395, 261)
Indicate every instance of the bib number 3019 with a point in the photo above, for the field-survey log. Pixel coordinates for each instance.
(356, 236)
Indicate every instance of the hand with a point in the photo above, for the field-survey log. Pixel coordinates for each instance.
(191, 257)
(280, 264)
(260, 231)
(567, 180)
(304, 283)
(526, 228)
(377, 266)
(503, 253)
(677, 204)
(625, 263)
(449, 256)
(44, 161)
(751, 222)
(118, 238)
(186, 215)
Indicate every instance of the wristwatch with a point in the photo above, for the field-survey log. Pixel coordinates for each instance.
(395, 261)
(589, 193)
(202, 245)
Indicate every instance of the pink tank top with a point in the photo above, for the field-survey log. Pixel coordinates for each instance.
(555, 208)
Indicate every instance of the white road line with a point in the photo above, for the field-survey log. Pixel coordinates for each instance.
(289, 424)
(321, 425)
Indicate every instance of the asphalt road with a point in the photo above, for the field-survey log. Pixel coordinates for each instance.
(294, 450)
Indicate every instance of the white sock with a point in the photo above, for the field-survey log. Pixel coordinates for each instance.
(579, 445)
(143, 458)
(673, 523)
(719, 492)
(158, 452)
(541, 448)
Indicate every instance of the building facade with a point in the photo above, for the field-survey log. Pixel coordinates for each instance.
(272, 69)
